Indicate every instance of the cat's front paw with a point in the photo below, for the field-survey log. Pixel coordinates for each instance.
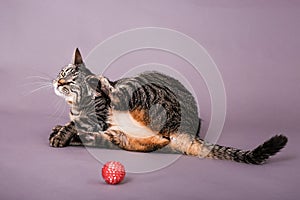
(56, 128)
(57, 137)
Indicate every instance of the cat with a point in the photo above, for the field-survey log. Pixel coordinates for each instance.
(145, 113)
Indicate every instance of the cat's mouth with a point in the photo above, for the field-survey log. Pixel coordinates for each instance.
(62, 91)
(65, 93)
(57, 90)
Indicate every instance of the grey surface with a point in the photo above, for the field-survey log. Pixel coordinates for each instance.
(255, 45)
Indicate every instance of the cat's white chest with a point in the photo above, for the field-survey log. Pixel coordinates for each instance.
(123, 120)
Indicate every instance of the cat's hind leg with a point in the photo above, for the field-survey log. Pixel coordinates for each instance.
(141, 144)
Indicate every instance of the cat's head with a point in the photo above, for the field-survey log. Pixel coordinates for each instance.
(71, 80)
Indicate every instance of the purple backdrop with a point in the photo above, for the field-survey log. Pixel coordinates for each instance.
(254, 43)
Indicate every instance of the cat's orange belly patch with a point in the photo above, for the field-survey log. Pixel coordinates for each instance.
(132, 123)
(140, 116)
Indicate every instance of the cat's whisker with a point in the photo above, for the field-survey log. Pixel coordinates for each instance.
(44, 75)
(58, 106)
(37, 83)
(38, 89)
(34, 83)
(38, 77)
(62, 111)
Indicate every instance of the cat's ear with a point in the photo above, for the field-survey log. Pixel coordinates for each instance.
(77, 58)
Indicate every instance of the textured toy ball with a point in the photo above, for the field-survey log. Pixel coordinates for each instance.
(113, 172)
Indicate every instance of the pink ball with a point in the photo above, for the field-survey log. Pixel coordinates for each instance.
(113, 172)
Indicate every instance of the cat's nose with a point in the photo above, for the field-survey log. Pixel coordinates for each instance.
(61, 81)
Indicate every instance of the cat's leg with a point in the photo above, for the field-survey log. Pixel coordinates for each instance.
(62, 135)
(127, 142)
(98, 140)
(76, 141)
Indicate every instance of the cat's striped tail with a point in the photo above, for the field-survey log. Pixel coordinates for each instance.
(257, 156)
(183, 143)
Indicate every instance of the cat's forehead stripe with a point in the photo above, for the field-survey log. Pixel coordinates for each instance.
(68, 68)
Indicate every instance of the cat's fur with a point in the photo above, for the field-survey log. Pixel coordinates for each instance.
(144, 113)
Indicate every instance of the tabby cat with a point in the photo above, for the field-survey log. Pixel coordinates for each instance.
(145, 113)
